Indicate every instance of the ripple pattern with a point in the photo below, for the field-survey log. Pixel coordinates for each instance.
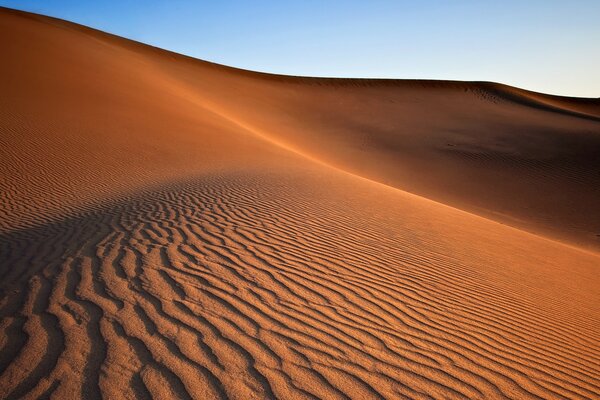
(260, 285)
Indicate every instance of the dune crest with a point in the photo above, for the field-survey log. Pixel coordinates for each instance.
(172, 228)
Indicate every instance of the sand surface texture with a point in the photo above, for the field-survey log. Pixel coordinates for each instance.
(175, 229)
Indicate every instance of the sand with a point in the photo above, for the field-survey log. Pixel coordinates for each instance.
(172, 228)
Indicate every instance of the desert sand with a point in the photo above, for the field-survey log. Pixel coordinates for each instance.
(172, 229)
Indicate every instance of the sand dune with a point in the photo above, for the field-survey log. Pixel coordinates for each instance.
(171, 228)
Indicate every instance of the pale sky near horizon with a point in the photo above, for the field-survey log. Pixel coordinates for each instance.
(547, 46)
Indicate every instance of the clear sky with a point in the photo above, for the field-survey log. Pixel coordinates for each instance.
(544, 45)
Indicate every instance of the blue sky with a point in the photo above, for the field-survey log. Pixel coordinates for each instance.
(548, 46)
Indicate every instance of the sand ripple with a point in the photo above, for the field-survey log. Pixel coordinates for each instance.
(253, 286)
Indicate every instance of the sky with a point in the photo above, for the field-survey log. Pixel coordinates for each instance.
(548, 46)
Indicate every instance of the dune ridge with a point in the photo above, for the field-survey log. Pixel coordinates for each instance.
(171, 228)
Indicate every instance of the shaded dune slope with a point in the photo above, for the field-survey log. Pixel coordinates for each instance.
(170, 228)
(469, 145)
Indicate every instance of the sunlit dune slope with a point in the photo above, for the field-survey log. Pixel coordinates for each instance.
(171, 228)
(526, 159)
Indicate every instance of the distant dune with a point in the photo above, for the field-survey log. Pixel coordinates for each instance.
(173, 228)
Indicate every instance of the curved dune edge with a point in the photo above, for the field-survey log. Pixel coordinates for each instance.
(175, 229)
(470, 145)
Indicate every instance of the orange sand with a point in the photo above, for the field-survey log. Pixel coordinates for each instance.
(171, 228)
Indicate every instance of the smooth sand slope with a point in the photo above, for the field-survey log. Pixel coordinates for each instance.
(170, 228)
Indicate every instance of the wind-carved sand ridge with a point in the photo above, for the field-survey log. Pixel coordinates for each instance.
(175, 229)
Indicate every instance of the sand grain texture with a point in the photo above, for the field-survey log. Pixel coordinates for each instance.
(171, 228)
